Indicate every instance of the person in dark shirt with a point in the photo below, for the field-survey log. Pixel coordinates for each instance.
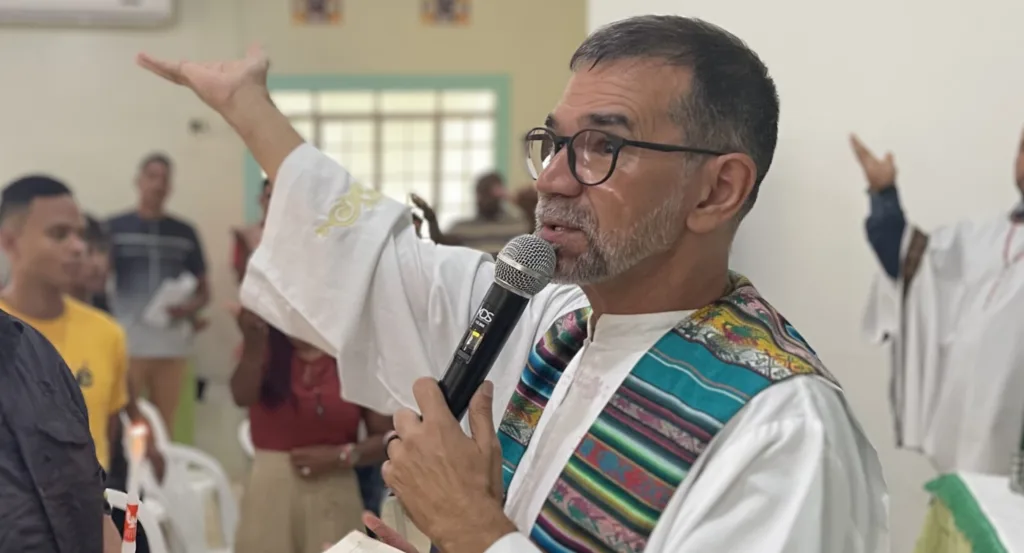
(51, 484)
(151, 247)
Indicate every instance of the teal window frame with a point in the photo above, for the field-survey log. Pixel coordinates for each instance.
(499, 84)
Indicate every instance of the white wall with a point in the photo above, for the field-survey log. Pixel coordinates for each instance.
(939, 85)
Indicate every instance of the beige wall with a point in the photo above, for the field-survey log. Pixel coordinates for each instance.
(74, 105)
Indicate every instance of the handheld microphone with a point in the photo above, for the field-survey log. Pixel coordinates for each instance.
(524, 267)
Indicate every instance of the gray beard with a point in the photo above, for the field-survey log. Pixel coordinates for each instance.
(612, 253)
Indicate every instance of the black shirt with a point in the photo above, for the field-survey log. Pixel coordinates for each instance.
(51, 485)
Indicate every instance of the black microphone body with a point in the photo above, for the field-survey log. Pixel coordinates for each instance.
(492, 324)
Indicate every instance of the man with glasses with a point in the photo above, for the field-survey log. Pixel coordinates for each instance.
(652, 400)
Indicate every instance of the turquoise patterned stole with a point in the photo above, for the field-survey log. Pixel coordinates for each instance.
(657, 424)
(544, 367)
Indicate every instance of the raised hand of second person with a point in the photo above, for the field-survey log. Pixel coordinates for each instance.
(430, 218)
(218, 83)
(428, 212)
(881, 173)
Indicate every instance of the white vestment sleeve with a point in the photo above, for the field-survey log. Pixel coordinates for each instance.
(775, 488)
(917, 321)
(340, 266)
(881, 320)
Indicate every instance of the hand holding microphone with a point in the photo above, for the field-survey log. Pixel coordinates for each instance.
(524, 267)
(450, 484)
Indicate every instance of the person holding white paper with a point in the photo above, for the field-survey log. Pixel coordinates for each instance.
(949, 303)
(652, 400)
(150, 248)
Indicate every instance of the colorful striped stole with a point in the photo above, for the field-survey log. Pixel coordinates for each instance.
(657, 424)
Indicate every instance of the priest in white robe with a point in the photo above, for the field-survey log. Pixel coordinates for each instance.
(950, 303)
(645, 168)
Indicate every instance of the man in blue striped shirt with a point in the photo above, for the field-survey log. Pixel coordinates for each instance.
(151, 247)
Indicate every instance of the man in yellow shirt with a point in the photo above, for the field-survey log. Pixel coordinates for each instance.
(41, 233)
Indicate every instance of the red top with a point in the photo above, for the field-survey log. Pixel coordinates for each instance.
(296, 422)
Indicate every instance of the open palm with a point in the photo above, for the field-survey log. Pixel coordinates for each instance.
(879, 172)
(216, 83)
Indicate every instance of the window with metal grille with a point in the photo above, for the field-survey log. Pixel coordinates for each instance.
(433, 142)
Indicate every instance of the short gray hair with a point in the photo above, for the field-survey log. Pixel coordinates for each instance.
(732, 104)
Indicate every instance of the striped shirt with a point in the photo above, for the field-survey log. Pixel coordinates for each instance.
(145, 253)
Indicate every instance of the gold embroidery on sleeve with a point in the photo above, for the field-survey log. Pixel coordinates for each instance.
(347, 209)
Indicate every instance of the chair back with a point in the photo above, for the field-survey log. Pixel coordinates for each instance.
(245, 438)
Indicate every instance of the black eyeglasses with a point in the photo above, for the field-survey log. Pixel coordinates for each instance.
(593, 153)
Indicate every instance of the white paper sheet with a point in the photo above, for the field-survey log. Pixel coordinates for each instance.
(357, 542)
(173, 291)
(393, 514)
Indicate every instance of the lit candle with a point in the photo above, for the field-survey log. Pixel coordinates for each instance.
(138, 435)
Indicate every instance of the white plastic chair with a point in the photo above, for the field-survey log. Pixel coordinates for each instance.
(147, 520)
(194, 462)
(191, 479)
(148, 483)
(200, 481)
(245, 438)
(156, 423)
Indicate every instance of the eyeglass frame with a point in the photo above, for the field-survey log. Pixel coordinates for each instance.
(617, 141)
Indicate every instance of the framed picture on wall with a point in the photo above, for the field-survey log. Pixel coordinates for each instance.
(316, 12)
(445, 12)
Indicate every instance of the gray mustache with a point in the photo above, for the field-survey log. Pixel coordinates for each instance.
(566, 213)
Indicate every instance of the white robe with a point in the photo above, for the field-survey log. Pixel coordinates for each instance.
(957, 343)
(340, 267)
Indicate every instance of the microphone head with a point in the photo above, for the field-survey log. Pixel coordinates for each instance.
(525, 265)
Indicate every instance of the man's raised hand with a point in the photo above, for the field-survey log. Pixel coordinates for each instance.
(220, 83)
(880, 173)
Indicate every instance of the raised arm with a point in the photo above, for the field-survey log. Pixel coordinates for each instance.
(238, 91)
(339, 266)
(247, 380)
(886, 224)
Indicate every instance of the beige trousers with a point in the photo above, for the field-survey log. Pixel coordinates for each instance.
(285, 513)
(161, 381)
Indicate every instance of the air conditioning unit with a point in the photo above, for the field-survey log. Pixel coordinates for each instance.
(87, 13)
